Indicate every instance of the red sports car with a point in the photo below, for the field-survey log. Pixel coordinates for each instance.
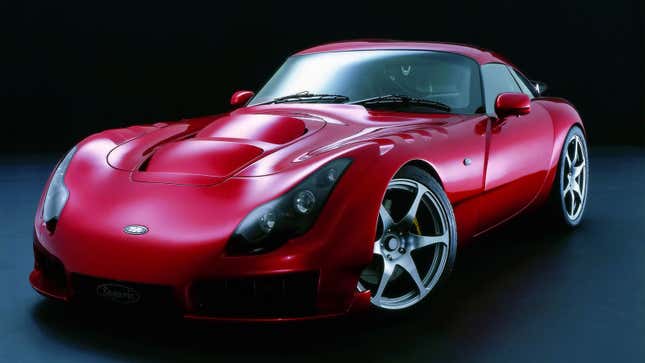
(346, 182)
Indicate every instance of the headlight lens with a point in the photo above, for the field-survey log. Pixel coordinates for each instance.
(304, 201)
(57, 193)
(292, 214)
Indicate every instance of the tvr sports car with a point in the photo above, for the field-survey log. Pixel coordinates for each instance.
(347, 182)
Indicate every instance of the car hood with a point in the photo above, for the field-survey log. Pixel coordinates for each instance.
(251, 141)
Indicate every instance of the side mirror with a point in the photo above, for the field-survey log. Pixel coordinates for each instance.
(239, 98)
(540, 87)
(512, 104)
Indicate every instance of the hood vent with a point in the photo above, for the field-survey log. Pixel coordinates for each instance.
(202, 157)
(274, 129)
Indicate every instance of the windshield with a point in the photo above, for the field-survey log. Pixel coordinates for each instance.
(447, 78)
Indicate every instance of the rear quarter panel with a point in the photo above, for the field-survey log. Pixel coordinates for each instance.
(564, 117)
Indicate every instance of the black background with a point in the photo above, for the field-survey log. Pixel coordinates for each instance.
(72, 69)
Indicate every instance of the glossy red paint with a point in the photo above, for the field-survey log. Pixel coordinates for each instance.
(191, 183)
(240, 98)
(512, 104)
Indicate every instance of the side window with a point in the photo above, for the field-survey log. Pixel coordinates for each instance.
(497, 79)
(524, 83)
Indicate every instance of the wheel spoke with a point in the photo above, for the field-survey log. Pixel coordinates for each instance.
(386, 218)
(575, 152)
(575, 189)
(577, 170)
(567, 189)
(568, 160)
(416, 241)
(377, 248)
(388, 268)
(412, 212)
(408, 265)
(573, 202)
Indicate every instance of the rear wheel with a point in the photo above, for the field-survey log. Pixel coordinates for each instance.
(415, 243)
(570, 189)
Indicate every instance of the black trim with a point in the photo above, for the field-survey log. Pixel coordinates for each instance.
(285, 295)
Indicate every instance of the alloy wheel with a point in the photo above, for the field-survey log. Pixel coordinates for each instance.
(574, 178)
(411, 246)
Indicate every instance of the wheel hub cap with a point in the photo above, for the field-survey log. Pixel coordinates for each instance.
(392, 243)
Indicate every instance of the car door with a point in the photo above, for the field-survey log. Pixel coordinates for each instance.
(519, 151)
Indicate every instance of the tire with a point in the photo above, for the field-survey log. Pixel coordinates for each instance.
(571, 185)
(415, 244)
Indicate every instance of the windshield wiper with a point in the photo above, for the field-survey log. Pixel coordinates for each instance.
(404, 100)
(307, 97)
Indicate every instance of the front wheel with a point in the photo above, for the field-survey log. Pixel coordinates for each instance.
(415, 243)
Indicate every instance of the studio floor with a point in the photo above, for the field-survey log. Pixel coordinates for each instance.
(523, 293)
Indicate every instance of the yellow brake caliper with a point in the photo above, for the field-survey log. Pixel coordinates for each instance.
(415, 222)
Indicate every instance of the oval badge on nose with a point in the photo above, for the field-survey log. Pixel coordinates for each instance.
(135, 229)
(118, 293)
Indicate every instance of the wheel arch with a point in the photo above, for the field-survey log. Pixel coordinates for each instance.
(564, 117)
(425, 166)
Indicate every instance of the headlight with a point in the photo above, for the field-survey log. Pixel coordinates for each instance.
(292, 214)
(57, 193)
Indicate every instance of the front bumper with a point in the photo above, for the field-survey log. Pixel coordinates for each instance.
(282, 296)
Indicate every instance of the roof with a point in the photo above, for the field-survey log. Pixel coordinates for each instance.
(482, 56)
